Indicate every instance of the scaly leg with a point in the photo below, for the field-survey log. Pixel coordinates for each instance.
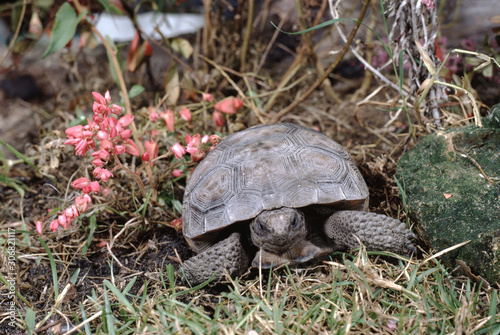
(227, 255)
(375, 231)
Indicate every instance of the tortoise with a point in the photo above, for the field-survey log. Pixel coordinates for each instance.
(276, 194)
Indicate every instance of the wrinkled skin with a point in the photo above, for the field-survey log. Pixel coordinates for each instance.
(282, 236)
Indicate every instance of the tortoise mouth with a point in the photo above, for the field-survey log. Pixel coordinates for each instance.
(301, 252)
(281, 247)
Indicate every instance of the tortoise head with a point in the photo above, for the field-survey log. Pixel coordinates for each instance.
(278, 230)
(282, 237)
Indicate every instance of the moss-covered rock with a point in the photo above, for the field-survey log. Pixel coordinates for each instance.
(463, 163)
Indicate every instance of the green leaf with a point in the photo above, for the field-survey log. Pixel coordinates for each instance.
(79, 119)
(135, 91)
(18, 154)
(112, 9)
(93, 227)
(30, 320)
(64, 28)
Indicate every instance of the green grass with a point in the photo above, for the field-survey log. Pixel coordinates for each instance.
(361, 294)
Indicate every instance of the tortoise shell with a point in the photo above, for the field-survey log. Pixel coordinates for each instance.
(263, 168)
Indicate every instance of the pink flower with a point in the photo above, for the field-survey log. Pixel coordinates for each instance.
(194, 147)
(178, 150)
(153, 116)
(54, 225)
(102, 154)
(82, 147)
(205, 139)
(218, 119)
(229, 105)
(193, 143)
(119, 149)
(74, 132)
(177, 224)
(80, 183)
(214, 139)
(176, 173)
(207, 97)
(102, 135)
(115, 109)
(126, 134)
(63, 221)
(151, 149)
(94, 186)
(99, 112)
(102, 174)
(82, 204)
(39, 227)
(185, 114)
(168, 118)
(131, 147)
(106, 145)
(98, 162)
(99, 98)
(126, 120)
(145, 157)
(107, 97)
(71, 212)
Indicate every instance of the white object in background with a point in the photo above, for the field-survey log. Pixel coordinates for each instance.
(120, 28)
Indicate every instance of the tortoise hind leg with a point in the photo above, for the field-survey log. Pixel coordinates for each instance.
(226, 256)
(375, 231)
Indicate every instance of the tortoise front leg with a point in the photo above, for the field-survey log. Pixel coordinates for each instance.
(226, 256)
(375, 231)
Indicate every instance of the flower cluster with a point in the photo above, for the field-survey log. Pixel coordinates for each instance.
(115, 139)
(196, 146)
(112, 136)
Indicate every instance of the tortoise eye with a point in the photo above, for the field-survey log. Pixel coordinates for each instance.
(261, 226)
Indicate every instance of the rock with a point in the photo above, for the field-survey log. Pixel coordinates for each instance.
(463, 163)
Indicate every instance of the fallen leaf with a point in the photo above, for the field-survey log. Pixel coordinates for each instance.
(467, 271)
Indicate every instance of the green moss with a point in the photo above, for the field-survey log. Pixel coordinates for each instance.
(437, 166)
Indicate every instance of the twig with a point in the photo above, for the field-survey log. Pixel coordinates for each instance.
(365, 63)
(246, 37)
(16, 34)
(463, 154)
(325, 74)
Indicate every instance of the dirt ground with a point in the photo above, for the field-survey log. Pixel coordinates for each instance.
(34, 115)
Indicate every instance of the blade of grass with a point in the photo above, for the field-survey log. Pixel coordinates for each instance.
(108, 315)
(123, 300)
(93, 227)
(18, 154)
(52, 267)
